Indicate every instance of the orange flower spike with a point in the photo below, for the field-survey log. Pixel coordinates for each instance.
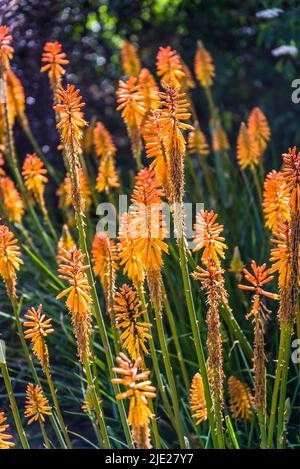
(281, 254)
(16, 94)
(275, 199)
(197, 399)
(220, 141)
(130, 60)
(6, 50)
(10, 261)
(12, 200)
(130, 102)
(103, 142)
(36, 329)
(169, 66)
(208, 236)
(71, 116)
(35, 178)
(291, 173)
(149, 90)
(240, 399)
(259, 129)
(197, 143)
(66, 242)
(37, 405)
(260, 277)
(247, 152)
(204, 66)
(54, 59)
(4, 437)
(107, 175)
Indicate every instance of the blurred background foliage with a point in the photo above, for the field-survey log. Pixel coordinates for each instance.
(241, 36)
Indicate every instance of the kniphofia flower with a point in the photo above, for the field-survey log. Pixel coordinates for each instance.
(240, 399)
(204, 66)
(130, 261)
(291, 173)
(107, 178)
(208, 237)
(66, 195)
(172, 114)
(220, 141)
(197, 399)
(169, 66)
(37, 405)
(197, 143)
(54, 59)
(138, 389)
(275, 199)
(14, 206)
(15, 97)
(5, 438)
(37, 328)
(259, 130)
(247, 151)
(71, 116)
(149, 90)
(129, 319)
(66, 242)
(10, 261)
(130, 59)
(130, 102)
(6, 50)
(103, 141)
(105, 257)
(73, 270)
(35, 178)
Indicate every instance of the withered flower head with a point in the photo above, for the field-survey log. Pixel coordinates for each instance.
(36, 329)
(197, 399)
(37, 405)
(240, 399)
(73, 270)
(139, 390)
(10, 260)
(54, 59)
(12, 201)
(204, 66)
(128, 312)
(6, 51)
(4, 437)
(130, 59)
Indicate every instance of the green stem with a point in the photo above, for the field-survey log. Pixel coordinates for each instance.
(105, 444)
(13, 405)
(57, 408)
(262, 426)
(237, 332)
(45, 437)
(231, 432)
(197, 339)
(288, 328)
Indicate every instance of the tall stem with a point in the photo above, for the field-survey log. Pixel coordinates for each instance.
(44, 433)
(284, 376)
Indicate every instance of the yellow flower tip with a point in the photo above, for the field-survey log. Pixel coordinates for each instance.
(247, 151)
(37, 328)
(240, 399)
(54, 59)
(275, 199)
(65, 242)
(73, 270)
(71, 116)
(138, 389)
(35, 178)
(207, 236)
(130, 60)
(204, 66)
(12, 200)
(197, 399)
(5, 438)
(10, 261)
(6, 50)
(129, 319)
(37, 405)
(169, 66)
